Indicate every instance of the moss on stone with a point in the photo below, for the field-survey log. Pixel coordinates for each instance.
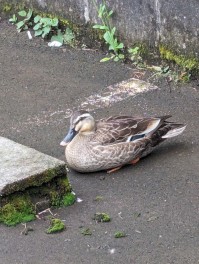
(18, 209)
(181, 60)
(68, 199)
(56, 225)
(58, 200)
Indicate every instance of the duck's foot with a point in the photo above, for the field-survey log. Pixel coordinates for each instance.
(133, 162)
(114, 169)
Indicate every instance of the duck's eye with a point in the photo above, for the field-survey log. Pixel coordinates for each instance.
(80, 119)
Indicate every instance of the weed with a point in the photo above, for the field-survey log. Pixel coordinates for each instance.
(171, 75)
(109, 36)
(45, 27)
(134, 55)
(25, 23)
(67, 37)
(13, 19)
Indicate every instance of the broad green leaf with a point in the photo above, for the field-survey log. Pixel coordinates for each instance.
(107, 36)
(69, 36)
(37, 18)
(38, 32)
(121, 56)
(22, 13)
(97, 26)
(111, 47)
(13, 19)
(104, 27)
(29, 15)
(133, 51)
(58, 38)
(113, 31)
(110, 13)
(37, 26)
(46, 21)
(46, 30)
(20, 24)
(25, 27)
(105, 59)
(120, 46)
(55, 22)
(116, 58)
(115, 43)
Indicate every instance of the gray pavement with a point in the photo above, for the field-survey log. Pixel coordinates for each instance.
(155, 202)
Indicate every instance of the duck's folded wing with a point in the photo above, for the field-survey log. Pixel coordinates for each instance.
(124, 128)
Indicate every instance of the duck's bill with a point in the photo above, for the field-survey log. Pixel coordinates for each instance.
(71, 134)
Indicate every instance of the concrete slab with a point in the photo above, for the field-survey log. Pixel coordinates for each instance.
(22, 167)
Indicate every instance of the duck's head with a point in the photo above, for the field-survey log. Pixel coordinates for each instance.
(80, 122)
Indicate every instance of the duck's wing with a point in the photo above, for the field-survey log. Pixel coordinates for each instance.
(125, 128)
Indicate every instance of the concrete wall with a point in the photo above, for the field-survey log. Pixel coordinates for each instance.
(174, 23)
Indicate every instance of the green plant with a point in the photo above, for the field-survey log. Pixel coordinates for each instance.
(13, 19)
(109, 36)
(171, 75)
(25, 23)
(44, 25)
(67, 37)
(134, 55)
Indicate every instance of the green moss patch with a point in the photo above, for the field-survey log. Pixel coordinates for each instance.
(18, 209)
(102, 217)
(181, 60)
(56, 225)
(86, 232)
(119, 234)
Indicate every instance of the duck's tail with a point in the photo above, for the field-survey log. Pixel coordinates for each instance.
(175, 131)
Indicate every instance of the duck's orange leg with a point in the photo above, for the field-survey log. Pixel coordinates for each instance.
(133, 162)
(114, 169)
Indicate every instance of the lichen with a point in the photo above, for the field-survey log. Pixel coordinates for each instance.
(102, 217)
(56, 225)
(18, 209)
(181, 60)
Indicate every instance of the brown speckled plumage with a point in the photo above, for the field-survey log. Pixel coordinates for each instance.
(115, 141)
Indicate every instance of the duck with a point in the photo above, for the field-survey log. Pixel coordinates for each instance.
(111, 143)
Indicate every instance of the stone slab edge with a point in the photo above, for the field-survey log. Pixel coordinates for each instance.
(22, 180)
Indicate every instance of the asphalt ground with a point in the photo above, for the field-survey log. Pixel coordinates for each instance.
(156, 202)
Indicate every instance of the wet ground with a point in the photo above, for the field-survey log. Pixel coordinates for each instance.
(155, 202)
